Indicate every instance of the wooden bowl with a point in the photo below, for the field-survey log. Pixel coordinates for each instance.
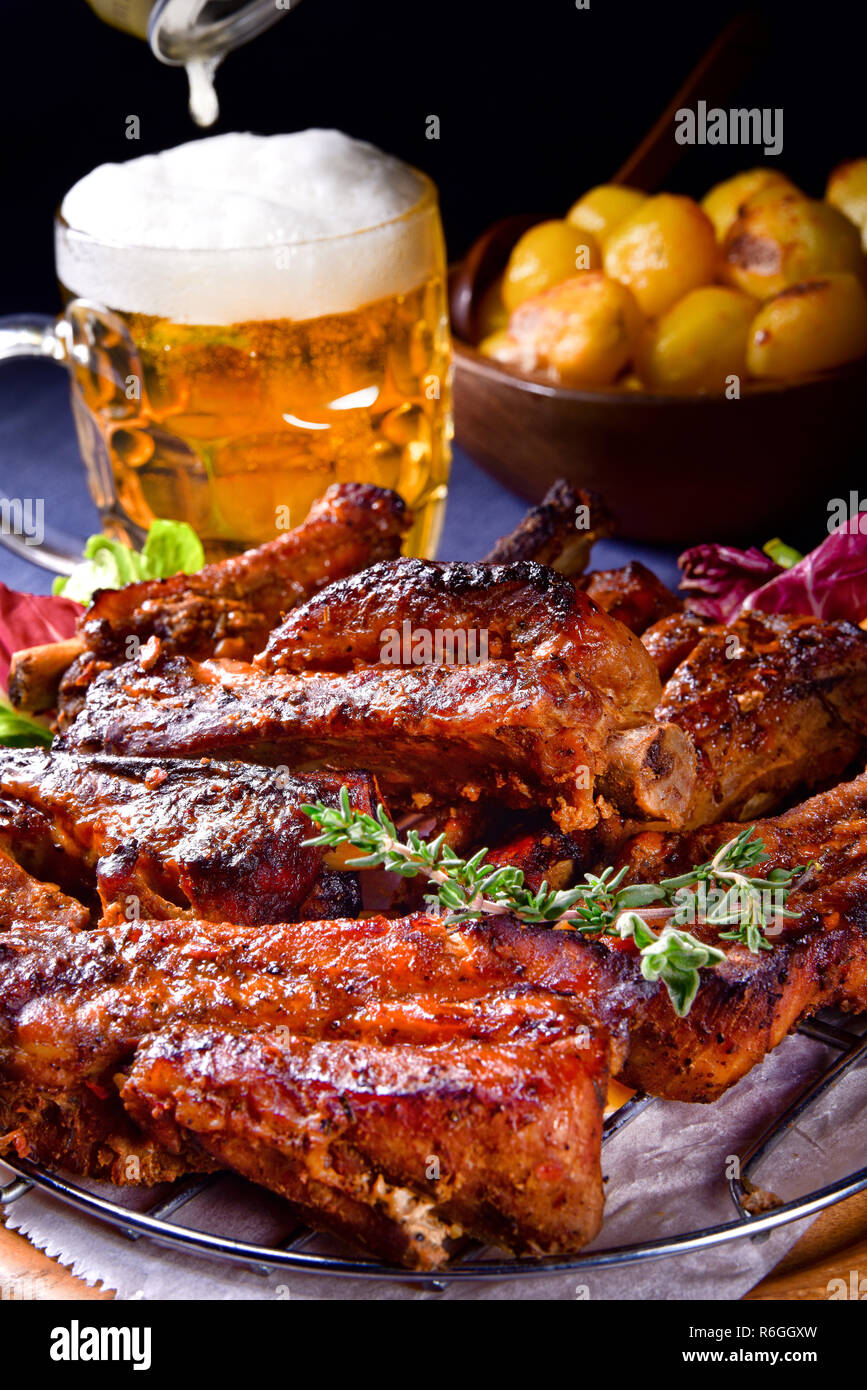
(673, 469)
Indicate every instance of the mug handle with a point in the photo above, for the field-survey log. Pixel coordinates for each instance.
(36, 335)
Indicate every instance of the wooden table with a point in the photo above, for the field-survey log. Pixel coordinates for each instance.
(835, 1244)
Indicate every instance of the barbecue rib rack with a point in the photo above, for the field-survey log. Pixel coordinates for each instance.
(478, 1262)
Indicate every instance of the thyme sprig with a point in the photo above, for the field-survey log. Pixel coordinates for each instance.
(469, 889)
(743, 904)
(742, 899)
(674, 958)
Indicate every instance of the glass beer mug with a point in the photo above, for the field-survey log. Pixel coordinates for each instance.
(229, 385)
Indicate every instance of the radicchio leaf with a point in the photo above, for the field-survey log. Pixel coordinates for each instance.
(830, 582)
(31, 620)
(718, 578)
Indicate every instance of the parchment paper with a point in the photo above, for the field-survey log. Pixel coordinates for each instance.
(666, 1174)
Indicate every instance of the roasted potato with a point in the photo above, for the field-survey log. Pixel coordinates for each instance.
(662, 251)
(724, 201)
(661, 293)
(809, 327)
(782, 238)
(847, 191)
(604, 208)
(544, 256)
(699, 343)
(581, 332)
(502, 347)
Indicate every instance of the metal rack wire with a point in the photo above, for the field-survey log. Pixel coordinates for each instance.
(476, 1262)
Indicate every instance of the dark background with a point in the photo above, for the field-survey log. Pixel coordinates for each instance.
(537, 100)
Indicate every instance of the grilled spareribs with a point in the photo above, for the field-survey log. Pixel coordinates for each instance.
(174, 1023)
(559, 712)
(229, 607)
(219, 840)
(747, 1005)
(397, 1040)
(403, 1081)
(401, 1148)
(773, 704)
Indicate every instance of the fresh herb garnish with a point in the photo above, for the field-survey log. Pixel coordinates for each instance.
(674, 957)
(469, 889)
(20, 731)
(782, 554)
(726, 894)
(171, 547)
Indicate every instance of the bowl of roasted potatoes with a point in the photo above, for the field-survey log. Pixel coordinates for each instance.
(683, 356)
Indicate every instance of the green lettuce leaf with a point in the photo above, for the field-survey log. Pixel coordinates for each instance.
(19, 731)
(107, 564)
(171, 547)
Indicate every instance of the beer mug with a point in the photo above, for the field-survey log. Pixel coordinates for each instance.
(228, 385)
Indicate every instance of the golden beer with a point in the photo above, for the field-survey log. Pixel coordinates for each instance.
(237, 426)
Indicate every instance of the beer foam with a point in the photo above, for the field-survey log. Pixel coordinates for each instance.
(238, 227)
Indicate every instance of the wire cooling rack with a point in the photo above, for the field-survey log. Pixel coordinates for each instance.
(477, 1262)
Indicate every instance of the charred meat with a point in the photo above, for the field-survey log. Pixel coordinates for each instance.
(773, 705)
(560, 532)
(559, 713)
(326, 1061)
(224, 841)
(229, 607)
(747, 1005)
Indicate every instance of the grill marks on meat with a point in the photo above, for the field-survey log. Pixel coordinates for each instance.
(556, 533)
(75, 1006)
(28, 901)
(346, 1131)
(632, 594)
(328, 1061)
(230, 1035)
(541, 723)
(527, 612)
(747, 1005)
(223, 841)
(457, 732)
(228, 608)
(772, 704)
